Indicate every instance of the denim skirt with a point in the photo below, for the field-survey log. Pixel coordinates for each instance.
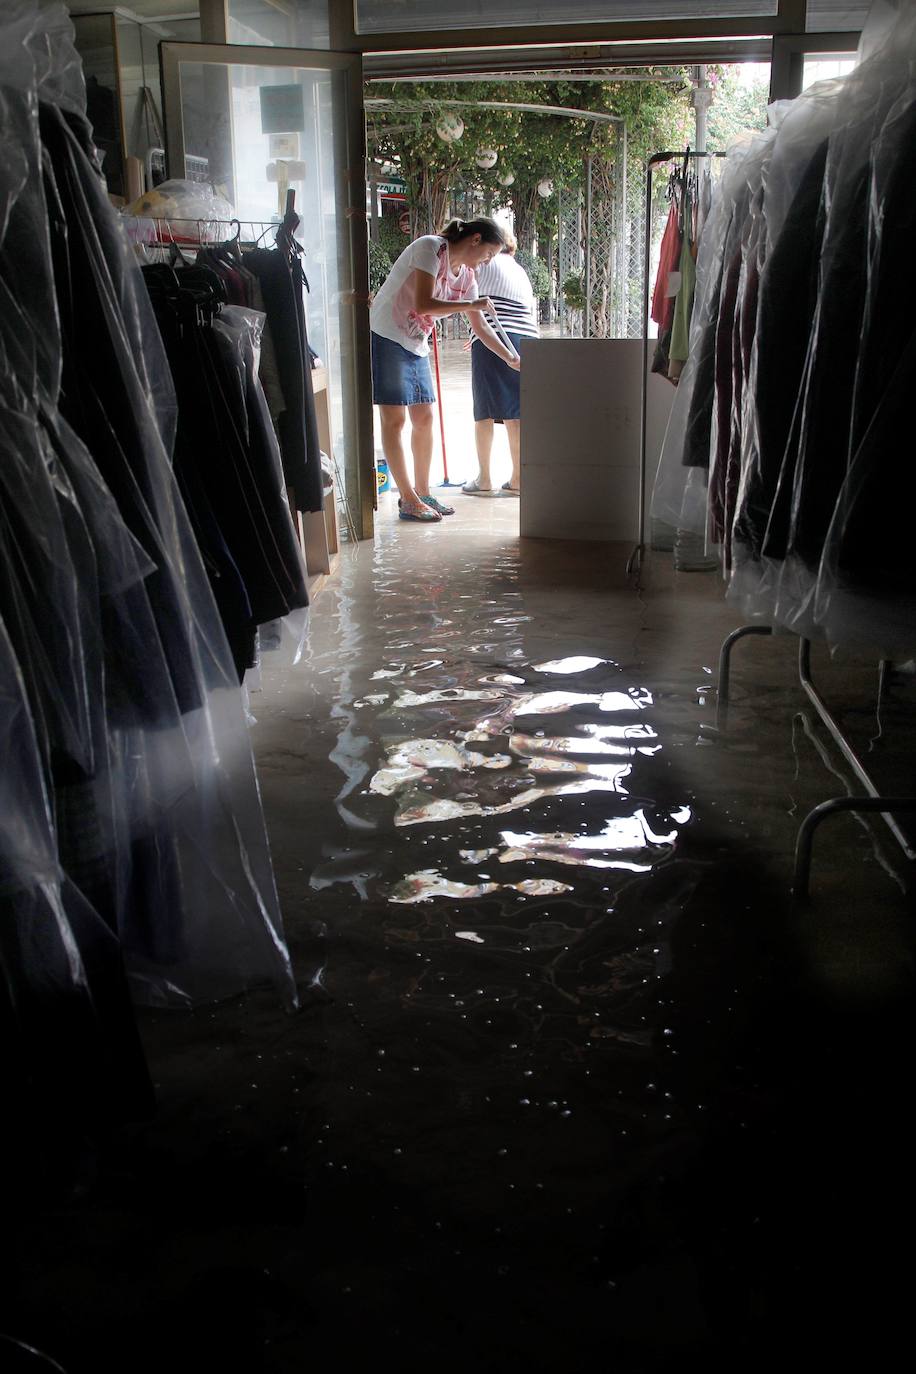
(496, 388)
(399, 377)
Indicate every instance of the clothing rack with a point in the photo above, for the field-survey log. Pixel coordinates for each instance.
(230, 231)
(634, 564)
(886, 806)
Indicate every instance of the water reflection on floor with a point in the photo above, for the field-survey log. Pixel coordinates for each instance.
(499, 891)
(554, 958)
(568, 1090)
(469, 735)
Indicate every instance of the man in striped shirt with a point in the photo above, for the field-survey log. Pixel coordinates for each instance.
(495, 386)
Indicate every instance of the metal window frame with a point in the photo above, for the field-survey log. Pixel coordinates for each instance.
(790, 18)
(112, 18)
(787, 64)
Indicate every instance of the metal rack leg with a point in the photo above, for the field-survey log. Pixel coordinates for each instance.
(722, 691)
(850, 755)
(805, 839)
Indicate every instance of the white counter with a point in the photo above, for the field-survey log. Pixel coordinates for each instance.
(580, 437)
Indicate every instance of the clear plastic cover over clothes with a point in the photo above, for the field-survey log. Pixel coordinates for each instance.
(144, 800)
(803, 358)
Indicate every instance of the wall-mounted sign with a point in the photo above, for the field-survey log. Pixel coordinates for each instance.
(283, 145)
(282, 109)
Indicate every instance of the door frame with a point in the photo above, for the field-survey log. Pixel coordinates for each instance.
(357, 403)
(780, 38)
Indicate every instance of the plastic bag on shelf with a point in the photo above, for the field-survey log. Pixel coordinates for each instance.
(195, 211)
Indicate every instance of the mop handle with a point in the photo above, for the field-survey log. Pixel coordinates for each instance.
(502, 335)
(439, 397)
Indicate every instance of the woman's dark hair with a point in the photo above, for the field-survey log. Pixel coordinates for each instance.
(488, 229)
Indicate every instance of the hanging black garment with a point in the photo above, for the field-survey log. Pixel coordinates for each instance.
(871, 539)
(232, 350)
(229, 474)
(888, 318)
(297, 425)
(732, 368)
(698, 432)
(818, 446)
(70, 1056)
(785, 310)
(815, 459)
(146, 767)
(101, 395)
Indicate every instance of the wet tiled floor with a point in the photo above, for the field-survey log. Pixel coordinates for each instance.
(574, 1085)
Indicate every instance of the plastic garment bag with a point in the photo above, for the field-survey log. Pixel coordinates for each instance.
(149, 723)
(66, 1022)
(688, 435)
(866, 591)
(788, 253)
(816, 453)
(734, 331)
(822, 528)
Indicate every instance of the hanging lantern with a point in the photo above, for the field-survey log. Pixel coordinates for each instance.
(506, 178)
(450, 128)
(486, 157)
(545, 188)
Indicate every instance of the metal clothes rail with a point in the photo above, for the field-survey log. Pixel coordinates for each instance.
(888, 807)
(264, 226)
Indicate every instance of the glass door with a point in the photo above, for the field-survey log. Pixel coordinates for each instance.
(255, 123)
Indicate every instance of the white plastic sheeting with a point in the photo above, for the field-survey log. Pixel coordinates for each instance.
(127, 750)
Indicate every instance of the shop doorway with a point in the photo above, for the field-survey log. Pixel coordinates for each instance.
(225, 80)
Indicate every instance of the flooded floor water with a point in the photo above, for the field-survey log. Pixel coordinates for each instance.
(574, 1085)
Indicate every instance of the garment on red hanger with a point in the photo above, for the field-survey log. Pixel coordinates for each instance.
(662, 303)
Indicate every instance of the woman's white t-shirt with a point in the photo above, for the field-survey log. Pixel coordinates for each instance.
(392, 313)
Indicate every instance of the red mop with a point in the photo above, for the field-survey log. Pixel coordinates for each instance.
(446, 483)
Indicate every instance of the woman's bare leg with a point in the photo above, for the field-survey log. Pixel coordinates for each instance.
(483, 436)
(514, 435)
(421, 445)
(393, 419)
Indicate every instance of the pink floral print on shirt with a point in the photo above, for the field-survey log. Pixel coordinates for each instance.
(446, 288)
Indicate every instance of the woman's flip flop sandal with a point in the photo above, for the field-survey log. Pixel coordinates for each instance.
(438, 505)
(426, 517)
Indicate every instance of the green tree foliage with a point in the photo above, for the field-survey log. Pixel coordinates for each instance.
(536, 145)
(537, 272)
(532, 145)
(574, 291)
(405, 133)
(391, 237)
(739, 107)
(379, 265)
